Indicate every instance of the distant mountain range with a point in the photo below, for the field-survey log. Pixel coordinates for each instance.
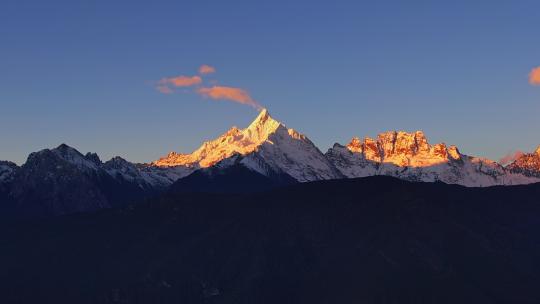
(263, 155)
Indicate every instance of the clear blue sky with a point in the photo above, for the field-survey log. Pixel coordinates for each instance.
(84, 72)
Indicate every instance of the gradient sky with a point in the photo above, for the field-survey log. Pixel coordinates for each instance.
(84, 72)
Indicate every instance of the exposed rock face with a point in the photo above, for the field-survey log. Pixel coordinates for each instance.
(410, 156)
(527, 164)
(402, 149)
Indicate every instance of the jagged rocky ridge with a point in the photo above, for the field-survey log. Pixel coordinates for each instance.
(527, 164)
(409, 156)
(62, 180)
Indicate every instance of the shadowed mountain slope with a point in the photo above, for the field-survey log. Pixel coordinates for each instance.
(232, 178)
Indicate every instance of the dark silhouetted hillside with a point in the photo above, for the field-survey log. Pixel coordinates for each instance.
(370, 240)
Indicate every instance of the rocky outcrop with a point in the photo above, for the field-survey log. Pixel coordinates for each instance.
(527, 164)
(410, 156)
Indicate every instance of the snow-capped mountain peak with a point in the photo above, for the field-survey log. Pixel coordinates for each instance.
(234, 141)
(261, 127)
(229, 143)
(283, 149)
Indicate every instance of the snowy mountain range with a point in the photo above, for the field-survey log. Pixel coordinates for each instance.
(266, 147)
(409, 156)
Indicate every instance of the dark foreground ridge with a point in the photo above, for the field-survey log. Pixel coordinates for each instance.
(370, 240)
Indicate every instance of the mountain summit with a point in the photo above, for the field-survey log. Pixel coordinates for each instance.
(234, 141)
(527, 164)
(265, 144)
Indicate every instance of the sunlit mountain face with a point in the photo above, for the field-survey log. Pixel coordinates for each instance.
(234, 141)
(527, 164)
(409, 156)
(266, 153)
(403, 149)
(395, 153)
(265, 140)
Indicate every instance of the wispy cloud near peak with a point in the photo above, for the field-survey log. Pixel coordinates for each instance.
(229, 93)
(182, 81)
(208, 90)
